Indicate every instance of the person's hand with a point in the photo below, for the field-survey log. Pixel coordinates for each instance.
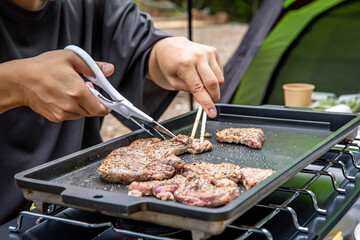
(50, 84)
(178, 64)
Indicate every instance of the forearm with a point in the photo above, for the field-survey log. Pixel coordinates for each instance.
(9, 90)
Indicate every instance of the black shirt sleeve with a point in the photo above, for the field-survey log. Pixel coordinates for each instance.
(127, 38)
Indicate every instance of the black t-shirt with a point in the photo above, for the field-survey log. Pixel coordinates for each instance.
(112, 31)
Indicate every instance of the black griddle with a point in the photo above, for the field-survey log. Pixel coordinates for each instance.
(293, 139)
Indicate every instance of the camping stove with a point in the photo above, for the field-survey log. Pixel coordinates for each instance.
(308, 206)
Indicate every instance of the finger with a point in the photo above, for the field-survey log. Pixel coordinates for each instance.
(94, 109)
(91, 104)
(59, 115)
(86, 100)
(217, 70)
(197, 88)
(209, 80)
(106, 68)
(90, 84)
(82, 67)
(82, 101)
(68, 116)
(219, 63)
(75, 111)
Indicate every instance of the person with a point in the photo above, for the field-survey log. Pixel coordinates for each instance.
(46, 110)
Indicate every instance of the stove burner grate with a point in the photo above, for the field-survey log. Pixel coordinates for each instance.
(340, 151)
(145, 227)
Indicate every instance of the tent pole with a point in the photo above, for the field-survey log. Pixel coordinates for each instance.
(189, 7)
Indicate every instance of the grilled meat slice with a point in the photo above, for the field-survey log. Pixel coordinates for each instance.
(218, 171)
(251, 137)
(206, 191)
(252, 176)
(193, 145)
(164, 189)
(207, 135)
(161, 189)
(149, 159)
(148, 168)
(202, 184)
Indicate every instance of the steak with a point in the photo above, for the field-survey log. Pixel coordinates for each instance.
(161, 189)
(197, 190)
(218, 171)
(252, 176)
(207, 191)
(251, 137)
(149, 159)
(202, 184)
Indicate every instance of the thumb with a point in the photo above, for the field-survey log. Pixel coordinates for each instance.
(106, 68)
(80, 65)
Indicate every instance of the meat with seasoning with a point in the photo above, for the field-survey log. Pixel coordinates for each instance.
(161, 189)
(202, 184)
(252, 176)
(207, 191)
(221, 170)
(149, 159)
(251, 137)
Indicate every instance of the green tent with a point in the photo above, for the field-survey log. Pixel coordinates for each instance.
(308, 41)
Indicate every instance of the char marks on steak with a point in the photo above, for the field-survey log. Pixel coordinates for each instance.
(251, 137)
(252, 176)
(149, 159)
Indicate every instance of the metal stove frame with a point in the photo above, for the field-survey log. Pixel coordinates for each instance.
(247, 231)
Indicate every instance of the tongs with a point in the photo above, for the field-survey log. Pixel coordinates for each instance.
(118, 103)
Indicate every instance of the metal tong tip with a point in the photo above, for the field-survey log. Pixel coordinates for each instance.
(158, 128)
(163, 130)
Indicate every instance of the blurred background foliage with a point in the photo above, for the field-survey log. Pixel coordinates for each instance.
(236, 10)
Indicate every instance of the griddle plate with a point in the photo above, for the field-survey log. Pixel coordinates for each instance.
(293, 139)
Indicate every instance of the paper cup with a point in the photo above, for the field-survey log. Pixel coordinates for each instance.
(298, 94)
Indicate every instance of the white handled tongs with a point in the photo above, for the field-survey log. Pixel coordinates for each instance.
(118, 102)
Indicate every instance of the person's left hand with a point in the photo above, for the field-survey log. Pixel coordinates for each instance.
(178, 64)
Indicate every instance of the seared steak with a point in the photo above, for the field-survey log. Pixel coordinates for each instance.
(149, 159)
(161, 189)
(202, 184)
(206, 191)
(251, 137)
(218, 171)
(198, 190)
(252, 176)
(191, 170)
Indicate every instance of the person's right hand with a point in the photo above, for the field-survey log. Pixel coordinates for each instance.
(50, 85)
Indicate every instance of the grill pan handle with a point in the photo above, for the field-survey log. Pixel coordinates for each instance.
(106, 201)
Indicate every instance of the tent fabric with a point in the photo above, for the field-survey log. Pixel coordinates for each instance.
(288, 3)
(258, 29)
(328, 53)
(256, 79)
